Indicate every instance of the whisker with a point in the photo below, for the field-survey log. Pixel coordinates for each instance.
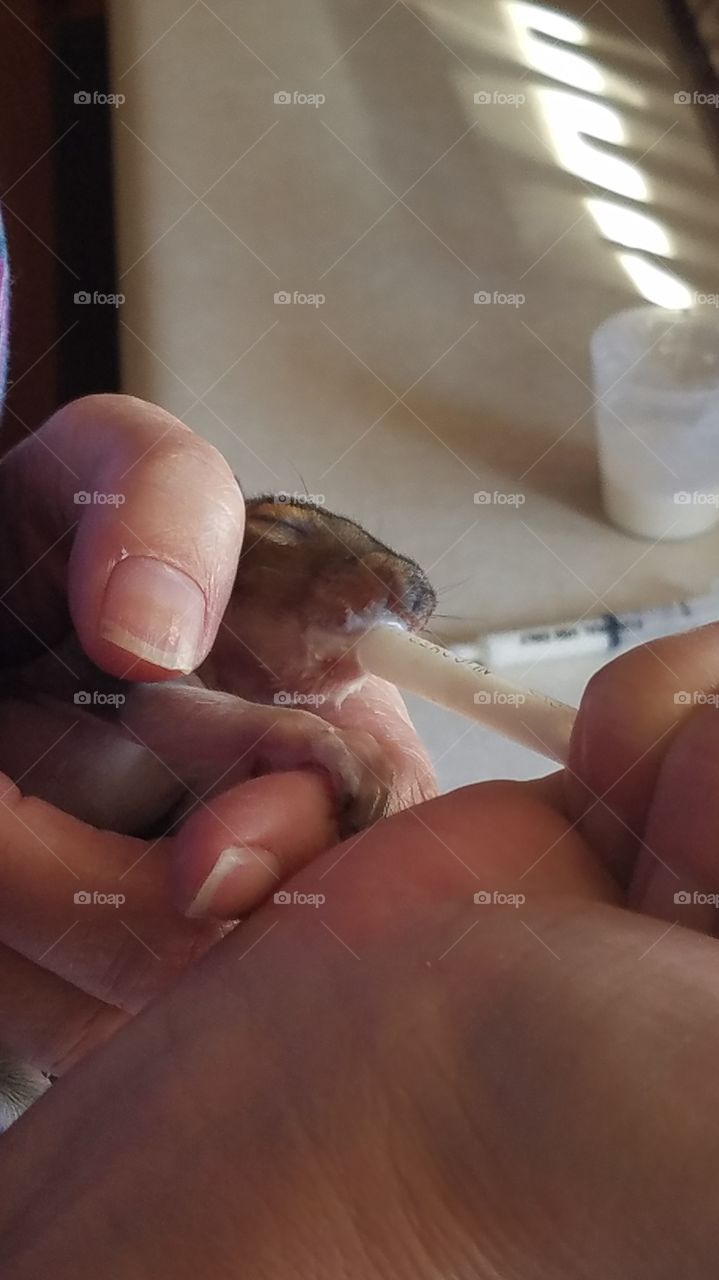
(454, 617)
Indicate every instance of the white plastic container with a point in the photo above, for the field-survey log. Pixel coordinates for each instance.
(656, 377)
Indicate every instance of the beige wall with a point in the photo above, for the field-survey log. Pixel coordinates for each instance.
(397, 199)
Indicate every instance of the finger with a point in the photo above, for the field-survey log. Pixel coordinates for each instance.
(48, 1022)
(226, 863)
(626, 721)
(378, 708)
(117, 504)
(285, 823)
(85, 765)
(237, 848)
(90, 906)
(497, 839)
(495, 845)
(677, 872)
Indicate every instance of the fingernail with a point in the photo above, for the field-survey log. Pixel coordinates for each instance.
(239, 878)
(155, 612)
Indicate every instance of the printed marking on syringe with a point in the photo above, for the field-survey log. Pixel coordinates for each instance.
(485, 671)
(456, 659)
(595, 626)
(615, 630)
(542, 637)
(609, 625)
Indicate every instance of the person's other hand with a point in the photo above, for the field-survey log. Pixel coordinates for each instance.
(454, 1049)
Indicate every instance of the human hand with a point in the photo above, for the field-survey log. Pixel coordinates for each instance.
(518, 1089)
(143, 583)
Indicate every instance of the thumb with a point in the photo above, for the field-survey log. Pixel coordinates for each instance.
(118, 509)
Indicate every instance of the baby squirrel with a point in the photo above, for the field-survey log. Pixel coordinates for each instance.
(309, 584)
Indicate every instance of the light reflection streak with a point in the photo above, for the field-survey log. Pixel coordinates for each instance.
(577, 126)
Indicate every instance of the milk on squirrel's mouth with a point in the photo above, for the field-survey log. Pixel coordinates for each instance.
(652, 513)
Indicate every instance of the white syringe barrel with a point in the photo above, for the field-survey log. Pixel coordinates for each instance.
(608, 634)
(418, 666)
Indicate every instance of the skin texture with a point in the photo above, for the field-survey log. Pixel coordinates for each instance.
(446, 1089)
(401, 1082)
(70, 975)
(637, 708)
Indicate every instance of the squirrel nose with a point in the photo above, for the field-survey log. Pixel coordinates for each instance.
(409, 592)
(419, 597)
